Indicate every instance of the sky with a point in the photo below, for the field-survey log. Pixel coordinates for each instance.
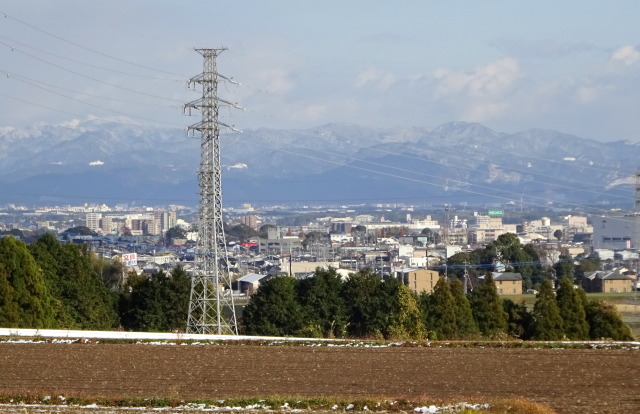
(572, 66)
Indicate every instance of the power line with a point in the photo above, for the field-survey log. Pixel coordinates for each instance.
(13, 49)
(90, 64)
(7, 16)
(33, 82)
(41, 106)
(457, 166)
(563, 163)
(98, 106)
(421, 181)
(463, 166)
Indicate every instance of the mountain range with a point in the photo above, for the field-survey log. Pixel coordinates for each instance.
(116, 162)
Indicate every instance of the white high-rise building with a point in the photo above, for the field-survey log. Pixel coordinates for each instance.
(93, 221)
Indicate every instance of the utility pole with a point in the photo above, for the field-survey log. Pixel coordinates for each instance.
(445, 230)
(467, 280)
(211, 307)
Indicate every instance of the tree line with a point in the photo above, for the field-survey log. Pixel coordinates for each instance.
(49, 284)
(54, 285)
(364, 306)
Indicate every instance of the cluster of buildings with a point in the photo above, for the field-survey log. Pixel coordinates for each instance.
(418, 249)
(414, 248)
(100, 218)
(153, 223)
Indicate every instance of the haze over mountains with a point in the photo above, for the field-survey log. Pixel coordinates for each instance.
(104, 161)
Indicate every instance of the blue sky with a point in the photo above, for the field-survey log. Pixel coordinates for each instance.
(511, 65)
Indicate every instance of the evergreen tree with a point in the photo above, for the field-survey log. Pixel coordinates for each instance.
(360, 295)
(405, 321)
(383, 306)
(9, 307)
(274, 309)
(582, 298)
(487, 309)
(520, 321)
(605, 322)
(131, 301)
(159, 303)
(572, 311)
(466, 327)
(424, 306)
(441, 319)
(548, 324)
(85, 302)
(565, 267)
(25, 301)
(381, 309)
(323, 306)
(177, 303)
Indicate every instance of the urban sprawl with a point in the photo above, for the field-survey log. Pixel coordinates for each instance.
(393, 240)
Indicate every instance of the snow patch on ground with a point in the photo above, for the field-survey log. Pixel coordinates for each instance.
(191, 407)
(451, 408)
(37, 336)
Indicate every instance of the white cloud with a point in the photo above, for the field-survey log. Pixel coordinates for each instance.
(275, 81)
(314, 112)
(485, 110)
(374, 77)
(72, 123)
(491, 80)
(626, 54)
(586, 94)
(483, 93)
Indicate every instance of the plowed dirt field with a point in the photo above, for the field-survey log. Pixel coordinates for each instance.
(568, 380)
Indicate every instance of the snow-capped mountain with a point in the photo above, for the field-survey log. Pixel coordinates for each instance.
(113, 162)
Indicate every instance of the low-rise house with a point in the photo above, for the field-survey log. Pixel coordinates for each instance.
(376, 256)
(607, 282)
(299, 269)
(508, 283)
(604, 254)
(418, 280)
(574, 251)
(414, 240)
(249, 283)
(341, 238)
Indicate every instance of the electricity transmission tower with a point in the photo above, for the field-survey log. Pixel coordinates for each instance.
(636, 212)
(211, 308)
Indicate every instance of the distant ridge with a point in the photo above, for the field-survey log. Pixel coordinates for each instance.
(112, 162)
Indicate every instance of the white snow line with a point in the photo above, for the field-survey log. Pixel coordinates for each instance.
(66, 336)
(167, 336)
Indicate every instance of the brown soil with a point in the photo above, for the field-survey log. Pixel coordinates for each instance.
(568, 380)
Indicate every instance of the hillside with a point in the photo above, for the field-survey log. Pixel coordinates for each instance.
(117, 162)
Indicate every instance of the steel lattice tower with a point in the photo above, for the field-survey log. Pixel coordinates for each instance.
(636, 212)
(211, 309)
